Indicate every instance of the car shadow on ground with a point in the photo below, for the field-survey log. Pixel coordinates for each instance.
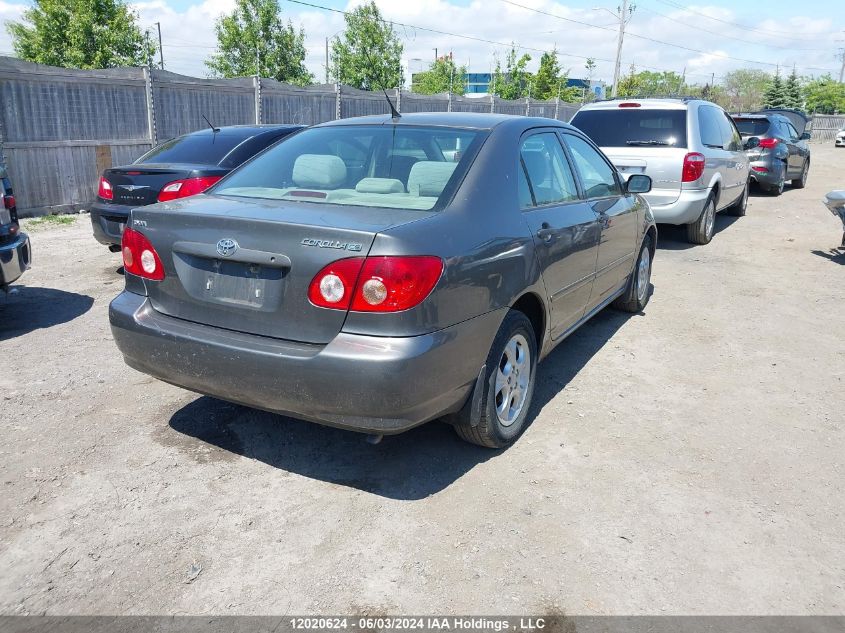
(409, 466)
(674, 238)
(26, 309)
(836, 255)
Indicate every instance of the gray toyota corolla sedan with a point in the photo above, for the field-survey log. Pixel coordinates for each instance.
(377, 273)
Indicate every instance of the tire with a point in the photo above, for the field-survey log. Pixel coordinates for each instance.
(500, 427)
(739, 207)
(637, 291)
(801, 181)
(777, 189)
(701, 231)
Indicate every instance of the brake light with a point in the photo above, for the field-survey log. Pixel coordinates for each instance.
(768, 143)
(104, 190)
(375, 284)
(139, 256)
(762, 170)
(693, 167)
(186, 187)
(8, 201)
(629, 104)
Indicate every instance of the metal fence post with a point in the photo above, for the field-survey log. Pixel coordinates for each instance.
(337, 101)
(449, 107)
(399, 100)
(151, 115)
(527, 106)
(492, 103)
(557, 106)
(256, 82)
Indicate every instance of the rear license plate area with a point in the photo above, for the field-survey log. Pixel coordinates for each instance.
(230, 283)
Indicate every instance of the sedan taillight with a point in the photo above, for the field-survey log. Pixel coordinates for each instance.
(375, 284)
(768, 143)
(104, 189)
(186, 187)
(139, 256)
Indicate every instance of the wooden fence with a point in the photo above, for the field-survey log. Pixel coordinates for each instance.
(59, 128)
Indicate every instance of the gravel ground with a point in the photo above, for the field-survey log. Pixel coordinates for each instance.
(683, 461)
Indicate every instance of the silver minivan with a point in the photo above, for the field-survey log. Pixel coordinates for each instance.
(690, 148)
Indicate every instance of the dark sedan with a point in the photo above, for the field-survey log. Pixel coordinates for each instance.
(776, 144)
(15, 253)
(181, 167)
(377, 273)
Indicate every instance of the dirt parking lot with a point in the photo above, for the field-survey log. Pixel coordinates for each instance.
(688, 460)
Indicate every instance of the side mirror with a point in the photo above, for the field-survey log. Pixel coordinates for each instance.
(751, 143)
(638, 183)
(804, 137)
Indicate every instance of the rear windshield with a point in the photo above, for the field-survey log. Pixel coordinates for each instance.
(752, 127)
(394, 166)
(631, 126)
(198, 149)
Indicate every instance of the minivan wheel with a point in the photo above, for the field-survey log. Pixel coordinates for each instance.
(701, 231)
(739, 207)
(637, 294)
(508, 386)
(801, 181)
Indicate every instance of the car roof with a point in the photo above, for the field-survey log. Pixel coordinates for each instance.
(244, 131)
(474, 120)
(653, 103)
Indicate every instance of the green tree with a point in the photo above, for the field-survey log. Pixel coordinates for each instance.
(514, 81)
(792, 88)
(590, 67)
(744, 89)
(651, 84)
(80, 34)
(775, 95)
(824, 95)
(441, 76)
(253, 40)
(369, 54)
(549, 81)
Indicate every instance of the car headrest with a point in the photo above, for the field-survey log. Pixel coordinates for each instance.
(429, 177)
(319, 171)
(380, 185)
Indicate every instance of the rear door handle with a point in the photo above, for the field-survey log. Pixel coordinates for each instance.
(545, 232)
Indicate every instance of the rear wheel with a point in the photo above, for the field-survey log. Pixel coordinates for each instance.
(701, 231)
(777, 188)
(739, 207)
(801, 181)
(637, 294)
(508, 387)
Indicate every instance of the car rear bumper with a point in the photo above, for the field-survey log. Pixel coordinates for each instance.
(15, 258)
(362, 383)
(773, 174)
(108, 221)
(840, 142)
(687, 208)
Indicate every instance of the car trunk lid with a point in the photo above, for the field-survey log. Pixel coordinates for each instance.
(246, 265)
(140, 185)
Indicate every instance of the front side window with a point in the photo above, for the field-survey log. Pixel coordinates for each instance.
(549, 176)
(397, 166)
(597, 175)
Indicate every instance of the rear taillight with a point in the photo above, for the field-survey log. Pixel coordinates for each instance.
(139, 256)
(762, 170)
(8, 201)
(185, 188)
(104, 190)
(375, 284)
(768, 143)
(693, 167)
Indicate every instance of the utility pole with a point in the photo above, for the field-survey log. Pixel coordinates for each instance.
(257, 61)
(327, 60)
(623, 14)
(435, 54)
(842, 68)
(160, 50)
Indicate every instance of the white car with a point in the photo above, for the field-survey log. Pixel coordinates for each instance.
(839, 141)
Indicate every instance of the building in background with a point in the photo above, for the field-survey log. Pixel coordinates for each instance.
(478, 85)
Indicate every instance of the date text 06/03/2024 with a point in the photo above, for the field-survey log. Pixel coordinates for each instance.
(410, 623)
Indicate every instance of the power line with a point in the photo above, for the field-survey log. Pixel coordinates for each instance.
(656, 41)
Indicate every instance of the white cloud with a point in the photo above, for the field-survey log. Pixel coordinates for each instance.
(8, 11)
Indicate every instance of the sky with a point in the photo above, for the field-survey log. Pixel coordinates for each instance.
(702, 40)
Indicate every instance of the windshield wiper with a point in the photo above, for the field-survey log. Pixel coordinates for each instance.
(650, 142)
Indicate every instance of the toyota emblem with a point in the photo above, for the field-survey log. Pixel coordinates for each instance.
(227, 247)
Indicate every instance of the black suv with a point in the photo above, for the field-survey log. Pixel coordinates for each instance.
(183, 166)
(776, 144)
(15, 253)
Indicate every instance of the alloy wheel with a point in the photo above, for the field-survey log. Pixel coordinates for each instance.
(512, 378)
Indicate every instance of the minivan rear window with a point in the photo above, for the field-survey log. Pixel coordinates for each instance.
(634, 127)
(752, 127)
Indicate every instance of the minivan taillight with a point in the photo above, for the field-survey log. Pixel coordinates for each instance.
(139, 256)
(104, 189)
(186, 187)
(375, 284)
(8, 201)
(693, 167)
(768, 143)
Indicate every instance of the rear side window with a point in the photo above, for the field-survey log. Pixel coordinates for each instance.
(200, 149)
(709, 127)
(632, 126)
(752, 127)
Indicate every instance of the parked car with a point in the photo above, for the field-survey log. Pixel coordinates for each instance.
(183, 166)
(777, 149)
(690, 148)
(15, 250)
(377, 273)
(839, 141)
